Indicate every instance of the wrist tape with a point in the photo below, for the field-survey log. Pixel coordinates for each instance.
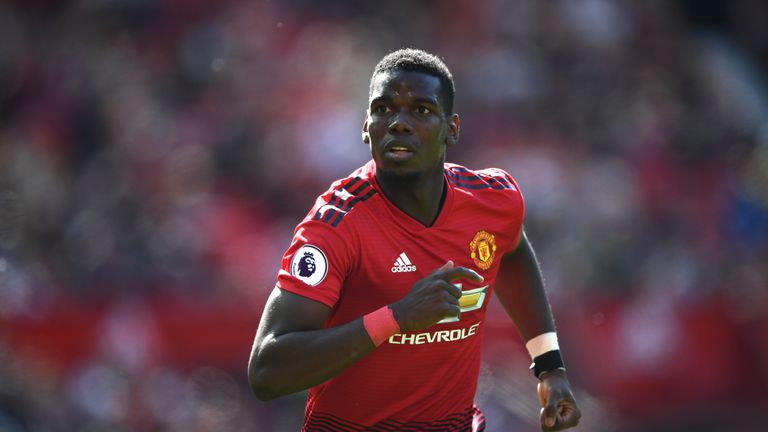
(380, 325)
(545, 352)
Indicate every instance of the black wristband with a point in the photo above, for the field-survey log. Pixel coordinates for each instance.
(546, 362)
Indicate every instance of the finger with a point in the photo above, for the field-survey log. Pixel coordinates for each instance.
(450, 288)
(569, 415)
(461, 273)
(450, 298)
(452, 311)
(445, 267)
(549, 414)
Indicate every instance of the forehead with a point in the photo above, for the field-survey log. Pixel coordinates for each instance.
(405, 84)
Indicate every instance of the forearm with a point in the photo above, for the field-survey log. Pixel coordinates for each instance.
(288, 363)
(521, 291)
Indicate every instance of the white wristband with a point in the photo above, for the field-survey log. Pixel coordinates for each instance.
(541, 344)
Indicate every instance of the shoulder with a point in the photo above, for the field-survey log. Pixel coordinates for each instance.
(341, 199)
(494, 191)
(326, 230)
(488, 178)
(493, 187)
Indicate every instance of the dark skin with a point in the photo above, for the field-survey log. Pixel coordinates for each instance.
(520, 289)
(408, 132)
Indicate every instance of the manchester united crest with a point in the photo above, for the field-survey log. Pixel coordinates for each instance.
(483, 249)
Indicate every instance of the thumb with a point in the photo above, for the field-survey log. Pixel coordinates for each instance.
(549, 414)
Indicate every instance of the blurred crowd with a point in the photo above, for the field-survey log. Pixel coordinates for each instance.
(165, 149)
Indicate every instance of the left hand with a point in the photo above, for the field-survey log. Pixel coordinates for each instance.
(558, 407)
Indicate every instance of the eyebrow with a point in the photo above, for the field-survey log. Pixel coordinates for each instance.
(427, 100)
(381, 99)
(422, 100)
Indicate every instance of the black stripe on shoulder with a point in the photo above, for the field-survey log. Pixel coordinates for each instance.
(466, 179)
(343, 199)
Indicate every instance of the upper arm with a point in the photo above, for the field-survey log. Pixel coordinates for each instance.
(513, 259)
(309, 282)
(521, 238)
(286, 312)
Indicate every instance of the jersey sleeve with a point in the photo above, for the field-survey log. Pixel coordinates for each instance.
(316, 263)
(514, 201)
(518, 209)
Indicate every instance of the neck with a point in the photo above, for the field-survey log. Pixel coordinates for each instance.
(420, 198)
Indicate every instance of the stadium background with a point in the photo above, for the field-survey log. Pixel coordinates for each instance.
(155, 156)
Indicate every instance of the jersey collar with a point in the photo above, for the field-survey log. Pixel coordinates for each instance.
(400, 216)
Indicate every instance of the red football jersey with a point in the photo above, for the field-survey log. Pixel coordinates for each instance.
(356, 251)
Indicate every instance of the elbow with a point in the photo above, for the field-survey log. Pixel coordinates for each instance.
(264, 394)
(267, 375)
(261, 389)
(258, 380)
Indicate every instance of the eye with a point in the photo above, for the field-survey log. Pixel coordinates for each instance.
(380, 109)
(423, 110)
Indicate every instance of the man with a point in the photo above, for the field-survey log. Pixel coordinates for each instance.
(385, 326)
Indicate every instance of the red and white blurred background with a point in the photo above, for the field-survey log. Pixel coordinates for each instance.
(155, 156)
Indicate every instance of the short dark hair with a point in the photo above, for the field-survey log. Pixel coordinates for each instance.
(416, 60)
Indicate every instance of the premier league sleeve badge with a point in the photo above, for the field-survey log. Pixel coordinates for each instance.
(309, 264)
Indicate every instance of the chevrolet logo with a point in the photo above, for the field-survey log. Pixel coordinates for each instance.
(470, 300)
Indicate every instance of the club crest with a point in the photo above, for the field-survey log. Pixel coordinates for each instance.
(482, 249)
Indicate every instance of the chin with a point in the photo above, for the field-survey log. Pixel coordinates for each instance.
(399, 173)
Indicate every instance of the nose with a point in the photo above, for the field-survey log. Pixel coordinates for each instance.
(400, 123)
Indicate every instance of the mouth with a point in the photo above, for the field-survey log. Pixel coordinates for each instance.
(398, 152)
(399, 148)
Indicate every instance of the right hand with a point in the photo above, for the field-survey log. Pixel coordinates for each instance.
(432, 298)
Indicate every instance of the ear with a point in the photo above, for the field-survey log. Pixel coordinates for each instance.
(454, 126)
(366, 137)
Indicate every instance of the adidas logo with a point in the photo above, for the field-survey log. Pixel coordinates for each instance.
(403, 264)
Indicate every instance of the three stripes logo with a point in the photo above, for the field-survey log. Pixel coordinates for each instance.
(403, 264)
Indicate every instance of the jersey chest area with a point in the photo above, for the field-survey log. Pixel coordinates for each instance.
(393, 258)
